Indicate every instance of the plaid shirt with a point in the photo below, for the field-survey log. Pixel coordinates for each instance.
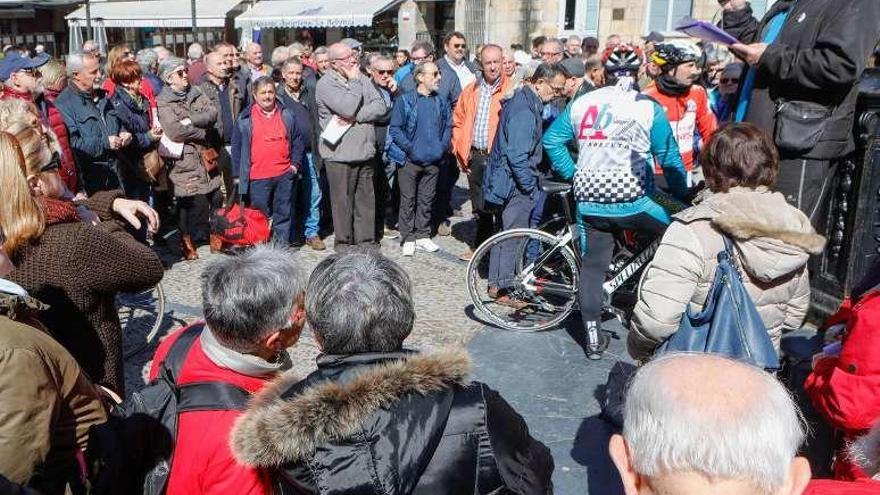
(481, 121)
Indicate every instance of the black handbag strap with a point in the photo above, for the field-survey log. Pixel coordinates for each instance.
(179, 349)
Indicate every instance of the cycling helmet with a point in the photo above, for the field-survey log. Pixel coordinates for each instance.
(674, 53)
(622, 58)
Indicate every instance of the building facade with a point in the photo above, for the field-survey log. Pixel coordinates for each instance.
(518, 21)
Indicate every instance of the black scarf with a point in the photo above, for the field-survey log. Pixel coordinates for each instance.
(669, 86)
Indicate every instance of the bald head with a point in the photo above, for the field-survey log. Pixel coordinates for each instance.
(338, 51)
(218, 65)
(695, 422)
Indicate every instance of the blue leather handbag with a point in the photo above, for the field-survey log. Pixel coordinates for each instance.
(729, 323)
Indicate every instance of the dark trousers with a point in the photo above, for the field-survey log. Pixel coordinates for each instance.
(353, 201)
(418, 184)
(193, 213)
(387, 198)
(275, 197)
(100, 176)
(806, 184)
(486, 224)
(446, 180)
(600, 232)
(515, 215)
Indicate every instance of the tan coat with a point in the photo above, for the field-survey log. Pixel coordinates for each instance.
(47, 403)
(773, 242)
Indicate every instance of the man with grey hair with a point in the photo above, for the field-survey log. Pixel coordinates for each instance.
(149, 63)
(573, 46)
(195, 64)
(254, 67)
(253, 306)
(91, 47)
(377, 415)
(699, 424)
(347, 100)
(162, 52)
(552, 51)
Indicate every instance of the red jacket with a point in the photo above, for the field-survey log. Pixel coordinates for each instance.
(846, 389)
(202, 462)
(53, 118)
(687, 114)
(833, 487)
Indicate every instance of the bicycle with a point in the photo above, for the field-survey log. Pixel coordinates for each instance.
(546, 270)
(140, 316)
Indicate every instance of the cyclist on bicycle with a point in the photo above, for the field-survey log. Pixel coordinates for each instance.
(620, 133)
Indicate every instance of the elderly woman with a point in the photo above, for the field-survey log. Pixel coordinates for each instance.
(376, 418)
(74, 267)
(54, 81)
(723, 98)
(187, 117)
(773, 242)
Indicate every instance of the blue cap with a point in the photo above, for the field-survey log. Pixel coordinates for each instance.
(14, 62)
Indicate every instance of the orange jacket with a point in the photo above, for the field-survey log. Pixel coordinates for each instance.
(465, 114)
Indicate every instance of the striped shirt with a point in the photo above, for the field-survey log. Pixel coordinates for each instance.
(481, 120)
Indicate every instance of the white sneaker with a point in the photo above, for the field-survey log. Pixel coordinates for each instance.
(409, 248)
(427, 245)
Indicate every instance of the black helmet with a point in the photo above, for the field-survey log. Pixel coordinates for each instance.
(622, 58)
(672, 54)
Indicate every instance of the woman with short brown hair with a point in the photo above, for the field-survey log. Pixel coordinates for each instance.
(773, 242)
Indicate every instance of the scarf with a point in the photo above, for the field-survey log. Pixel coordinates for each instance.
(669, 86)
(246, 364)
(57, 211)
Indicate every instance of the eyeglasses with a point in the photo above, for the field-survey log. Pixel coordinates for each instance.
(459, 45)
(557, 89)
(433, 74)
(550, 54)
(385, 72)
(181, 72)
(729, 81)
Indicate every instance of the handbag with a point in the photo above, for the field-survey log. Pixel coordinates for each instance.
(210, 159)
(239, 225)
(729, 323)
(799, 125)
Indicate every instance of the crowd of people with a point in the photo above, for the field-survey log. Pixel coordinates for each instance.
(105, 156)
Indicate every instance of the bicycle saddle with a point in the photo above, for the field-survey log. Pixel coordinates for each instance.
(554, 187)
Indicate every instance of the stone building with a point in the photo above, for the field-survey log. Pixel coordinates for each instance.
(518, 21)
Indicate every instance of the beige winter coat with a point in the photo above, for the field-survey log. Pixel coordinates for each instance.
(773, 241)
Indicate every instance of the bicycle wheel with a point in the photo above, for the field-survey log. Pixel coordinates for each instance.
(543, 274)
(140, 316)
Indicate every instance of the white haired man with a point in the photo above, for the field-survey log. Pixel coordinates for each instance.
(195, 63)
(704, 424)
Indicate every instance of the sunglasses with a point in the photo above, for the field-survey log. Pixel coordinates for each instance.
(459, 45)
(385, 72)
(433, 74)
(52, 165)
(181, 72)
(729, 81)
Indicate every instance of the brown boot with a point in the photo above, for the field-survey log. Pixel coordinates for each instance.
(216, 243)
(189, 248)
(316, 243)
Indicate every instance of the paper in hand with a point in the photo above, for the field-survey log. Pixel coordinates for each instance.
(334, 131)
(705, 31)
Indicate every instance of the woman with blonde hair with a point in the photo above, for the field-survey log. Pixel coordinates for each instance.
(54, 82)
(75, 267)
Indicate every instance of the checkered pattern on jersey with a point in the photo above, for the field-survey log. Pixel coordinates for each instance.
(612, 185)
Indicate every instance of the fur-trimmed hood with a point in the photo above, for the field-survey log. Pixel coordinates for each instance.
(773, 237)
(278, 429)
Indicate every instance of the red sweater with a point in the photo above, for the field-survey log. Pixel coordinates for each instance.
(687, 114)
(203, 462)
(270, 151)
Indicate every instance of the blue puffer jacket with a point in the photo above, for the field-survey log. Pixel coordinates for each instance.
(516, 152)
(241, 145)
(405, 112)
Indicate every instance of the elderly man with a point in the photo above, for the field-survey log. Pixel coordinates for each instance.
(149, 63)
(255, 68)
(697, 424)
(91, 47)
(253, 306)
(377, 415)
(237, 75)
(229, 101)
(575, 84)
(299, 98)
(474, 122)
(20, 76)
(594, 72)
(196, 67)
(322, 61)
(552, 51)
(351, 103)
(94, 130)
(573, 46)
(163, 53)
(268, 150)
(422, 51)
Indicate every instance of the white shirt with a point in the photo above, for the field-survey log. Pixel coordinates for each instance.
(465, 76)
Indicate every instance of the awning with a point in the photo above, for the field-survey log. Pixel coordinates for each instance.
(312, 13)
(155, 13)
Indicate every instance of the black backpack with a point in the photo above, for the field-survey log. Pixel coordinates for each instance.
(132, 452)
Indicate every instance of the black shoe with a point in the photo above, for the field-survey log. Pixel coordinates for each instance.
(597, 341)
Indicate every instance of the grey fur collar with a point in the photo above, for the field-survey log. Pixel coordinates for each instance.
(275, 431)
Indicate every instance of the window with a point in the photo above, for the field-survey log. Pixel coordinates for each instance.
(579, 16)
(663, 15)
(570, 7)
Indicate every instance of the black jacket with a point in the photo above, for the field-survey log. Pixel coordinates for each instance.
(818, 57)
(135, 118)
(396, 423)
(306, 118)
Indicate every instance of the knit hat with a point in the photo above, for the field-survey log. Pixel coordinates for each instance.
(169, 65)
(574, 66)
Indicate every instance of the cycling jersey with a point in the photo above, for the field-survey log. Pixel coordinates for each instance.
(619, 134)
(687, 114)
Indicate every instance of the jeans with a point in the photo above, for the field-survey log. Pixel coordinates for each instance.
(310, 188)
(516, 214)
(418, 184)
(275, 197)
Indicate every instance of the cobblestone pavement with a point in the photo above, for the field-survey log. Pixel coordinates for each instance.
(438, 282)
